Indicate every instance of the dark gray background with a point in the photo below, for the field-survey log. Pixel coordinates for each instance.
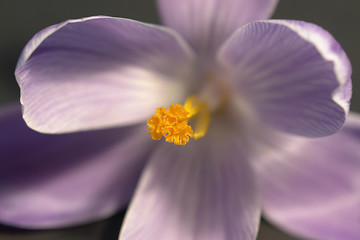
(21, 19)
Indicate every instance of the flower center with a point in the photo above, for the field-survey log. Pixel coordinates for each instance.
(172, 123)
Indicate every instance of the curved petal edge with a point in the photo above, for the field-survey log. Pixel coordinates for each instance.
(293, 75)
(100, 72)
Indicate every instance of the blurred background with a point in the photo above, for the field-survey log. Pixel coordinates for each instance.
(21, 19)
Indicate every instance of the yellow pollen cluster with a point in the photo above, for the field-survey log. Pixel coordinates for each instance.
(172, 123)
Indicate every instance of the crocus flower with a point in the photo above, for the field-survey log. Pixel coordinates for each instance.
(234, 105)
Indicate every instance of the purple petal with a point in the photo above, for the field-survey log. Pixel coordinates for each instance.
(204, 190)
(293, 74)
(61, 180)
(311, 188)
(206, 24)
(100, 72)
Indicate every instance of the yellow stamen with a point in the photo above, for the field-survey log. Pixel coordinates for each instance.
(172, 123)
